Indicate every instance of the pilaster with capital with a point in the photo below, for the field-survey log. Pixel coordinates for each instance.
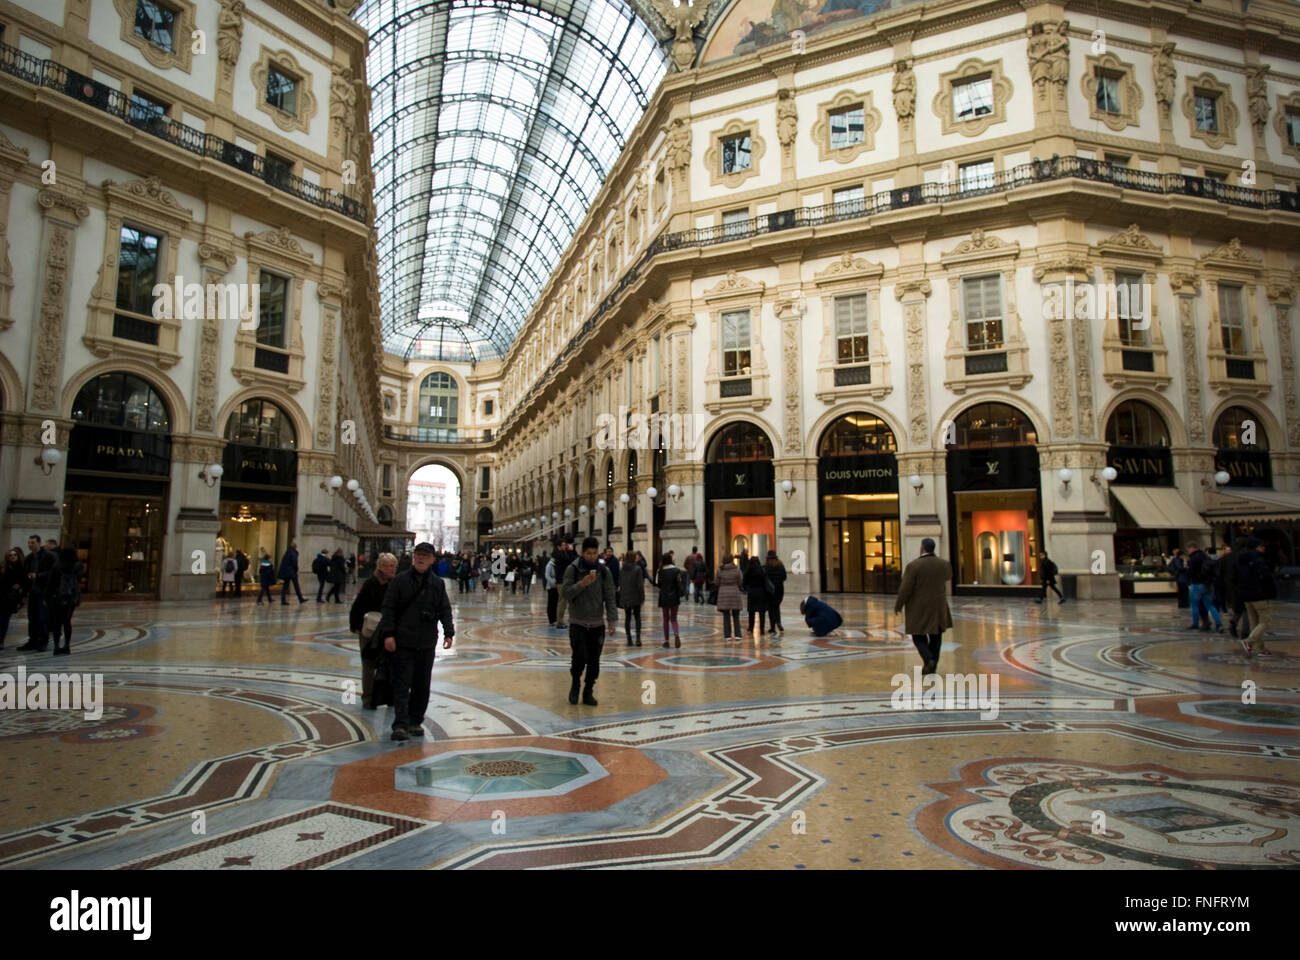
(64, 210)
(1282, 298)
(1186, 287)
(912, 292)
(789, 313)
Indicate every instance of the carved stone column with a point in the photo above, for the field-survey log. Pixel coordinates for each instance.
(194, 521)
(1282, 297)
(217, 260)
(789, 314)
(913, 293)
(64, 211)
(1186, 287)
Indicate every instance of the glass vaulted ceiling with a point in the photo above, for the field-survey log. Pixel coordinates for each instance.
(495, 124)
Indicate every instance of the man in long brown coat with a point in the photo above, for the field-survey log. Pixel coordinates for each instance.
(924, 592)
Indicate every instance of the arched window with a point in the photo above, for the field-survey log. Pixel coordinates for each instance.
(1136, 424)
(385, 516)
(739, 442)
(484, 523)
(439, 407)
(857, 433)
(994, 425)
(260, 423)
(121, 400)
(1235, 422)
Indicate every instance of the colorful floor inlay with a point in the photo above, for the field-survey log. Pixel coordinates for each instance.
(232, 737)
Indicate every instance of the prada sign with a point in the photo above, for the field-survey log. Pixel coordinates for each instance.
(750, 479)
(993, 468)
(262, 466)
(119, 451)
(1142, 466)
(1248, 468)
(864, 473)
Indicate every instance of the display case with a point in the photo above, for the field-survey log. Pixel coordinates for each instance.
(1147, 577)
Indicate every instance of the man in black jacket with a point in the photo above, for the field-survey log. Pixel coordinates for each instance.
(1256, 587)
(1048, 570)
(39, 564)
(370, 598)
(416, 602)
(1200, 577)
(289, 574)
(241, 568)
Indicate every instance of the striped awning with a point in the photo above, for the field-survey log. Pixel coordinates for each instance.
(1257, 506)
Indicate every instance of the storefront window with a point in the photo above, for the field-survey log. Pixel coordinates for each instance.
(739, 486)
(121, 400)
(260, 423)
(858, 481)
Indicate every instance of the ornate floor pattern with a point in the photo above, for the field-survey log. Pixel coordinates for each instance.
(231, 737)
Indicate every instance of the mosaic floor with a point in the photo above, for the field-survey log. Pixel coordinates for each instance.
(231, 738)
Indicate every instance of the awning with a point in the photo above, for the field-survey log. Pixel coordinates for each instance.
(1158, 508)
(1259, 506)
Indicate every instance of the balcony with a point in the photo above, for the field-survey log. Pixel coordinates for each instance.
(736, 388)
(449, 435)
(852, 376)
(1143, 361)
(271, 360)
(1239, 369)
(981, 363)
(54, 76)
(133, 328)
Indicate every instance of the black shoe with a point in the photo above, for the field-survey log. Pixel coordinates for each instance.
(930, 666)
(29, 645)
(39, 648)
(367, 705)
(638, 641)
(284, 603)
(63, 653)
(678, 641)
(415, 730)
(399, 733)
(573, 693)
(302, 599)
(1192, 627)
(588, 699)
(1205, 628)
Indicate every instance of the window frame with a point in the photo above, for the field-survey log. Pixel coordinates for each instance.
(262, 302)
(739, 350)
(1001, 320)
(853, 334)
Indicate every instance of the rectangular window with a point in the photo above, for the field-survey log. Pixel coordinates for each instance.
(735, 153)
(655, 362)
(1292, 123)
(851, 329)
(627, 382)
(137, 270)
(975, 176)
(735, 343)
(145, 108)
(982, 304)
(1218, 176)
(972, 98)
(273, 294)
(156, 22)
(387, 484)
(487, 408)
(1107, 92)
(1131, 310)
(1118, 159)
(277, 170)
(1207, 112)
(1232, 320)
(848, 127)
(661, 190)
(848, 199)
(735, 222)
(486, 480)
(282, 91)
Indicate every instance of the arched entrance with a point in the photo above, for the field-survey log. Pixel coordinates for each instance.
(119, 460)
(260, 484)
(994, 507)
(433, 506)
(484, 528)
(739, 487)
(857, 478)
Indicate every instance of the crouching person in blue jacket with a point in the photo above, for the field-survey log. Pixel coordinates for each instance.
(820, 616)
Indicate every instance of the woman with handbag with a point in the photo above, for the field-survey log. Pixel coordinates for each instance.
(13, 589)
(756, 586)
(776, 576)
(672, 587)
(363, 619)
(728, 581)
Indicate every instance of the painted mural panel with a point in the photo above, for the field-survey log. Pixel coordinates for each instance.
(751, 24)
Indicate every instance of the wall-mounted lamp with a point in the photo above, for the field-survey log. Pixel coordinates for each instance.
(568, 512)
(331, 486)
(623, 498)
(210, 474)
(583, 510)
(353, 485)
(674, 492)
(1065, 475)
(652, 493)
(47, 460)
(916, 482)
(1223, 478)
(600, 505)
(787, 485)
(1108, 474)
(555, 515)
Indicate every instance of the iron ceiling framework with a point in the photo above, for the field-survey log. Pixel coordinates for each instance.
(495, 123)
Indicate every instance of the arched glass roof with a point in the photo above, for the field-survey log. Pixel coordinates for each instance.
(495, 123)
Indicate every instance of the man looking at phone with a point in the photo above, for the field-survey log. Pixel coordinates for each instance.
(416, 602)
(589, 589)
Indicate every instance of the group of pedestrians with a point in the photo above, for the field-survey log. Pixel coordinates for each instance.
(47, 580)
(1238, 579)
(333, 569)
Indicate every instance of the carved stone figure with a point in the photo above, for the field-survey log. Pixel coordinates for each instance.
(230, 35)
(1257, 93)
(677, 151)
(1165, 74)
(343, 100)
(904, 89)
(683, 19)
(1049, 53)
(787, 118)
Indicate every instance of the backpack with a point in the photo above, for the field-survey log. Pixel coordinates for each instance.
(69, 590)
(228, 565)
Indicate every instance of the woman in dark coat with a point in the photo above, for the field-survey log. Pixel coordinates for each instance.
(672, 587)
(338, 576)
(62, 602)
(728, 581)
(370, 599)
(266, 577)
(776, 575)
(13, 589)
(630, 598)
(755, 585)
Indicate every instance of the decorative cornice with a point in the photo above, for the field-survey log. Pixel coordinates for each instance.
(50, 199)
(279, 241)
(849, 267)
(1130, 241)
(733, 285)
(1079, 266)
(980, 246)
(1231, 254)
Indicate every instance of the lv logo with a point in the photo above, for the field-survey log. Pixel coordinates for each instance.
(993, 467)
(740, 479)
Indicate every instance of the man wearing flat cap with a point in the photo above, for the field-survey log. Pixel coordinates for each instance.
(416, 602)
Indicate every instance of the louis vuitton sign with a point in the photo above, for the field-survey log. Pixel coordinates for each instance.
(993, 468)
(867, 473)
(739, 480)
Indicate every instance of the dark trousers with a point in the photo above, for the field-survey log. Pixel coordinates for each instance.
(514, 584)
(701, 588)
(586, 643)
(630, 614)
(1050, 585)
(1183, 600)
(266, 592)
(928, 646)
(4, 625)
(239, 583)
(335, 587)
(528, 583)
(552, 604)
(762, 619)
(412, 674)
(61, 624)
(38, 630)
(284, 590)
(320, 587)
(670, 617)
(774, 612)
(730, 623)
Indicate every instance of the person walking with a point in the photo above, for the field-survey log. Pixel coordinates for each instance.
(1178, 567)
(611, 561)
(39, 563)
(414, 604)
(1225, 584)
(699, 574)
(242, 564)
(526, 575)
(370, 599)
(13, 589)
(756, 586)
(672, 587)
(588, 586)
(552, 590)
(1257, 588)
(924, 595)
(631, 596)
(564, 558)
(1048, 570)
(728, 579)
(1200, 577)
(776, 576)
(338, 576)
(289, 574)
(63, 596)
(320, 566)
(266, 577)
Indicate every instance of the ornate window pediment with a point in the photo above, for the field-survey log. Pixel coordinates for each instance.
(180, 53)
(285, 63)
(821, 131)
(1287, 123)
(1233, 276)
(1216, 122)
(1123, 84)
(713, 157)
(968, 72)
